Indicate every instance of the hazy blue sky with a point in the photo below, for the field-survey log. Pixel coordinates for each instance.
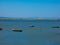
(30, 8)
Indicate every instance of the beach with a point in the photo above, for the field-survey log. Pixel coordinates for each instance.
(30, 32)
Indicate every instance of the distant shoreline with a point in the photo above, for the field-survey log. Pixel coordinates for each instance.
(29, 18)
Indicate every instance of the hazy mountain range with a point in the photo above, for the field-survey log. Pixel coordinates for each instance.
(13, 18)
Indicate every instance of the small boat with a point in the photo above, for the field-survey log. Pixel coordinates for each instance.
(17, 30)
(56, 27)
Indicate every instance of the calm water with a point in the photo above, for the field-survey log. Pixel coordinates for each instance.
(35, 32)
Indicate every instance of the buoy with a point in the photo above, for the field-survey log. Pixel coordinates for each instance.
(32, 26)
(0, 29)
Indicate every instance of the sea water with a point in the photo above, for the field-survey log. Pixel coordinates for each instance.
(34, 32)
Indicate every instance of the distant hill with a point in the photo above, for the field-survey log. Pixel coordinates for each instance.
(3, 17)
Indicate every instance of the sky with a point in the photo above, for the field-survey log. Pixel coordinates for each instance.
(30, 8)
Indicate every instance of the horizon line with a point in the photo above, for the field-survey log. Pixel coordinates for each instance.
(11, 18)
